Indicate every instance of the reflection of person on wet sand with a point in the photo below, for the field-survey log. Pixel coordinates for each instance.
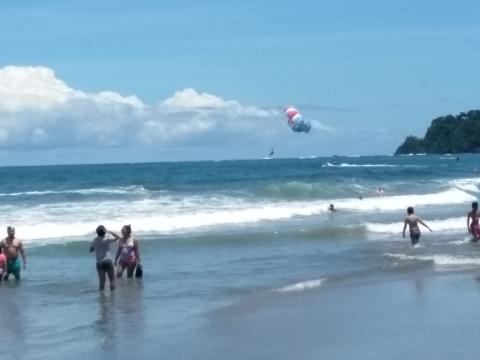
(412, 221)
(106, 325)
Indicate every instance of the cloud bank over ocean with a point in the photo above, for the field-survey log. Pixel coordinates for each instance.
(44, 120)
(38, 109)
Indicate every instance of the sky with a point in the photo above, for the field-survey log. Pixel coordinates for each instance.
(123, 81)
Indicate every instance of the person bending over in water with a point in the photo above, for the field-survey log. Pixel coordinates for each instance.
(412, 221)
(127, 252)
(101, 246)
(11, 247)
(473, 226)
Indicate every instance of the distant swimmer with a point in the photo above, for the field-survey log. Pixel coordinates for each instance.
(12, 246)
(412, 221)
(380, 192)
(331, 208)
(360, 197)
(473, 226)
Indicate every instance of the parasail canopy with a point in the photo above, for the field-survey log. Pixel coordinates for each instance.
(296, 121)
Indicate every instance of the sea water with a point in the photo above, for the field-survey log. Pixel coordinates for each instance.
(215, 236)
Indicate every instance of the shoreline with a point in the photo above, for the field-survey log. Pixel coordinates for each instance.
(430, 316)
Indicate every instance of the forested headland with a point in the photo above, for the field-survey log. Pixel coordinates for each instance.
(447, 134)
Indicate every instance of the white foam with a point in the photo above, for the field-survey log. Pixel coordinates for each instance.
(390, 203)
(441, 260)
(450, 224)
(463, 241)
(468, 184)
(168, 213)
(358, 165)
(111, 190)
(302, 286)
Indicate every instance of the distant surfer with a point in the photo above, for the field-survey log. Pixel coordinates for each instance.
(473, 225)
(412, 221)
(331, 208)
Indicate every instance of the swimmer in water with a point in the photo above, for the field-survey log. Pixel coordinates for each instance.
(412, 221)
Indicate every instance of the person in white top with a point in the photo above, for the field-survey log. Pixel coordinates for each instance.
(101, 246)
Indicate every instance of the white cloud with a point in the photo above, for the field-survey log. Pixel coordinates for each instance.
(318, 126)
(36, 89)
(191, 100)
(39, 110)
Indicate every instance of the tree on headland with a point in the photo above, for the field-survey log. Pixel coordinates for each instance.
(447, 134)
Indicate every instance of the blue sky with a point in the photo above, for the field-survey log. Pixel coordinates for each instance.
(367, 72)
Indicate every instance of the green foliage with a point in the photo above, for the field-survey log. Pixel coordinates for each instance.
(447, 134)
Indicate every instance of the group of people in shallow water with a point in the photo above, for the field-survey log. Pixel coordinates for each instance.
(127, 257)
(128, 254)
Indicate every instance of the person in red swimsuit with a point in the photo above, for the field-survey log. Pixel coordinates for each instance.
(473, 225)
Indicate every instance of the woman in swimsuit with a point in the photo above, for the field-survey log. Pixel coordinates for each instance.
(101, 246)
(128, 254)
(473, 226)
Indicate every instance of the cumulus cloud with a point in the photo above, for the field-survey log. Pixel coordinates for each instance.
(191, 100)
(36, 89)
(37, 109)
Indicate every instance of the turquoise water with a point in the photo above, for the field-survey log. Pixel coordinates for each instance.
(215, 235)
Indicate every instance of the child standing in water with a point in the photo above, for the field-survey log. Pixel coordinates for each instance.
(473, 226)
(3, 264)
(412, 221)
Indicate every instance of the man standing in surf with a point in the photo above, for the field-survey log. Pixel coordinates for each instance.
(412, 221)
(12, 246)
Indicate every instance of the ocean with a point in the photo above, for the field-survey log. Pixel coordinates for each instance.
(242, 260)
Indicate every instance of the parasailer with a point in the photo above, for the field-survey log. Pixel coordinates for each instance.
(296, 121)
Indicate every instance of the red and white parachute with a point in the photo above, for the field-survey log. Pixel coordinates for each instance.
(295, 120)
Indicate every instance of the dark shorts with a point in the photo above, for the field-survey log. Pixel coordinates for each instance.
(105, 265)
(415, 237)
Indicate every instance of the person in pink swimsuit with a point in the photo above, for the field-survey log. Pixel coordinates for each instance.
(3, 264)
(473, 225)
(128, 254)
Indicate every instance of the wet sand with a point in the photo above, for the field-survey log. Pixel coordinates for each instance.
(416, 316)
